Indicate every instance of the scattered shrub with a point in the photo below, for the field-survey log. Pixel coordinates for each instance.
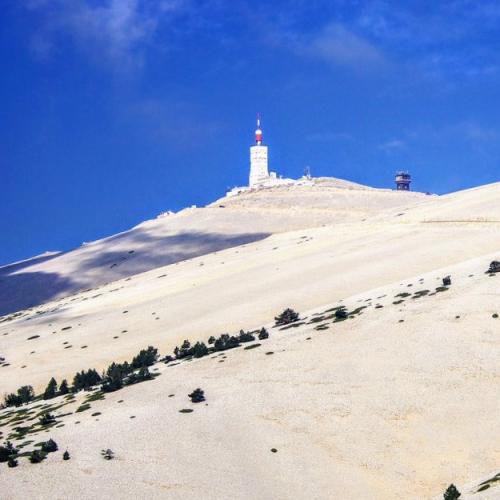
(197, 396)
(107, 454)
(12, 462)
(286, 317)
(447, 281)
(263, 334)
(245, 336)
(49, 446)
(6, 451)
(494, 315)
(341, 314)
(47, 419)
(51, 389)
(66, 455)
(494, 267)
(211, 339)
(36, 456)
(451, 493)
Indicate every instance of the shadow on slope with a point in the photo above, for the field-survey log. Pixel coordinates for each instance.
(106, 261)
(24, 290)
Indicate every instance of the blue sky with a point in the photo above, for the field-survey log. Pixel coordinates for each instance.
(112, 111)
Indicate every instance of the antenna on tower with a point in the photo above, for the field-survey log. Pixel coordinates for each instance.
(258, 132)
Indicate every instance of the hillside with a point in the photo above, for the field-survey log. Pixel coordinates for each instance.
(228, 223)
(396, 402)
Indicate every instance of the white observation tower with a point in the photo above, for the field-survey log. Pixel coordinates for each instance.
(258, 159)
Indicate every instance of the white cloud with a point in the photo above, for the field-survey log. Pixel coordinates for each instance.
(114, 32)
(392, 145)
(335, 45)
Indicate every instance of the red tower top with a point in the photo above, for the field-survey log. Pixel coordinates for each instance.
(258, 132)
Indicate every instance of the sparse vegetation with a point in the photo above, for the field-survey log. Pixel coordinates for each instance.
(51, 389)
(146, 357)
(107, 454)
(494, 267)
(200, 350)
(49, 446)
(340, 314)
(46, 419)
(66, 455)
(85, 380)
(197, 396)
(263, 334)
(451, 493)
(24, 394)
(286, 317)
(63, 388)
(36, 456)
(7, 451)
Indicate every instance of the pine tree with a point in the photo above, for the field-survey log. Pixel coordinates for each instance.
(66, 455)
(200, 350)
(63, 388)
(51, 389)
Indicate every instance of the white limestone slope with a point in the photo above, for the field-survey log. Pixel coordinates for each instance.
(369, 408)
(397, 402)
(190, 233)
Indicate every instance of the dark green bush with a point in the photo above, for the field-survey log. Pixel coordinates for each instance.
(184, 350)
(46, 419)
(49, 446)
(245, 336)
(494, 267)
(6, 451)
(286, 317)
(12, 462)
(197, 396)
(36, 456)
(451, 493)
(341, 313)
(263, 334)
(66, 455)
(211, 339)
